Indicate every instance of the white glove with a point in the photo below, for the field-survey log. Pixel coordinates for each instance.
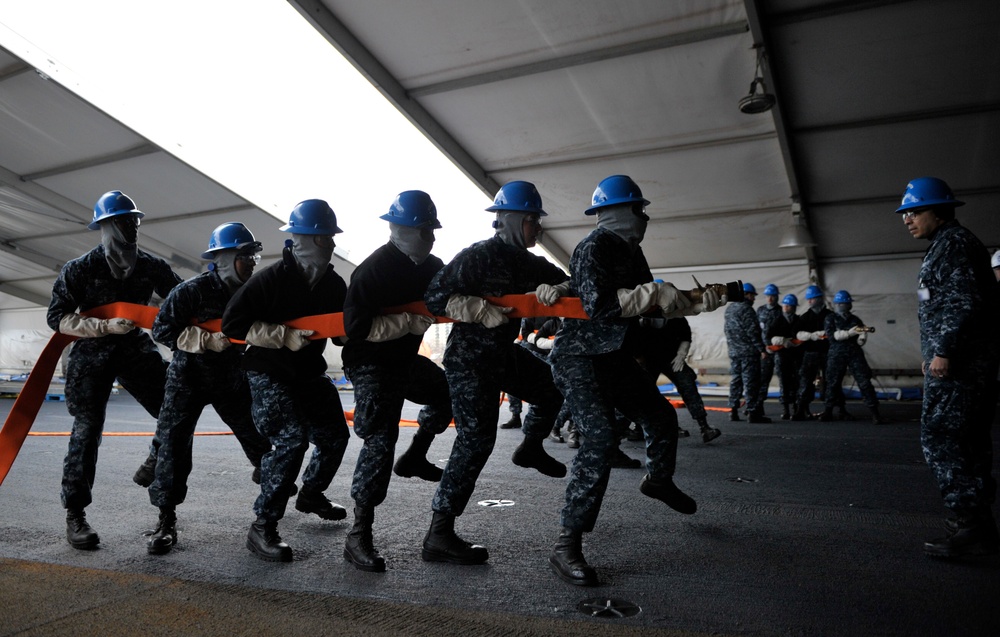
(670, 300)
(549, 294)
(682, 353)
(274, 336)
(805, 336)
(544, 344)
(419, 323)
(89, 327)
(777, 340)
(532, 338)
(843, 335)
(389, 327)
(710, 302)
(862, 339)
(818, 335)
(638, 300)
(475, 309)
(195, 340)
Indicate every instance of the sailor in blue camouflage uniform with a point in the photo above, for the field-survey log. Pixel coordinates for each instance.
(381, 359)
(205, 370)
(294, 402)
(482, 359)
(766, 315)
(846, 334)
(957, 307)
(814, 348)
(107, 349)
(746, 351)
(668, 344)
(782, 335)
(594, 364)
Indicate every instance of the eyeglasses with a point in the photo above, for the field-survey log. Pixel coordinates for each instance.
(910, 214)
(248, 258)
(639, 210)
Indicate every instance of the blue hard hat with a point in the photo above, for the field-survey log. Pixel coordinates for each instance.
(312, 216)
(790, 299)
(771, 290)
(229, 236)
(926, 192)
(613, 190)
(748, 287)
(813, 292)
(112, 204)
(413, 208)
(518, 196)
(843, 296)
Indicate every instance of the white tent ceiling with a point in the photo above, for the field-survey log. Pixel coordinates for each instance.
(565, 92)
(58, 154)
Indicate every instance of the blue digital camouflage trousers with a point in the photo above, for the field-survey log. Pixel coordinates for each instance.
(379, 393)
(686, 382)
(955, 433)
(744, 378)
(186, 396)
(813, 364)
(476, 385)
(290, 416)
(91, 371)
(787, 364)
(767, 370)
(594, 386)
(838, 360)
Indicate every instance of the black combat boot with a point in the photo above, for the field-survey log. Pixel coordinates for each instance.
(621, 460)
(315, 502)
(877, 418)
(145, 474)
(264, 542)
(414, 463)
(827, 415)
(801, 413)
(757, 417)
(572, 437)
(786, 411)
(845, 415)
(682, 433)
(360, 548)
(165, 535)
(734, 414)
(568, 562)
(967, 536)
(708, 434)
(668, 493)
(441, 544)
(531, 455)
(556, 434)
(513, 423)
(78, 532)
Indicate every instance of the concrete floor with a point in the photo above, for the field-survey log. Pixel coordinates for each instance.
(802, 529)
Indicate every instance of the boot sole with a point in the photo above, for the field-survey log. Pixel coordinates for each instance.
(587, 581)
(557, 472)
(378, 567)
(333, 514)
(434, 556)
(160, 549)
(85, 546)
(267, 558)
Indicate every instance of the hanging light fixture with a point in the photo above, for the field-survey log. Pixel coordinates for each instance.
(755, 102)
(796, 235)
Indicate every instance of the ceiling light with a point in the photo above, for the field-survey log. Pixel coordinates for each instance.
(796, 235)
(755, 102)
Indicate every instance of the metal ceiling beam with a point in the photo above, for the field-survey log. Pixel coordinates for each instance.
(708, 215)
(131, 153)
(902, 118)
(761, 39)
(26, 295)
(642, 152)
(580, 59)
(338, 35)
(827, 10)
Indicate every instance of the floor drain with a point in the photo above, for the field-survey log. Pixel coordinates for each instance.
(738, 479)
(496, 503)
(608, 608)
